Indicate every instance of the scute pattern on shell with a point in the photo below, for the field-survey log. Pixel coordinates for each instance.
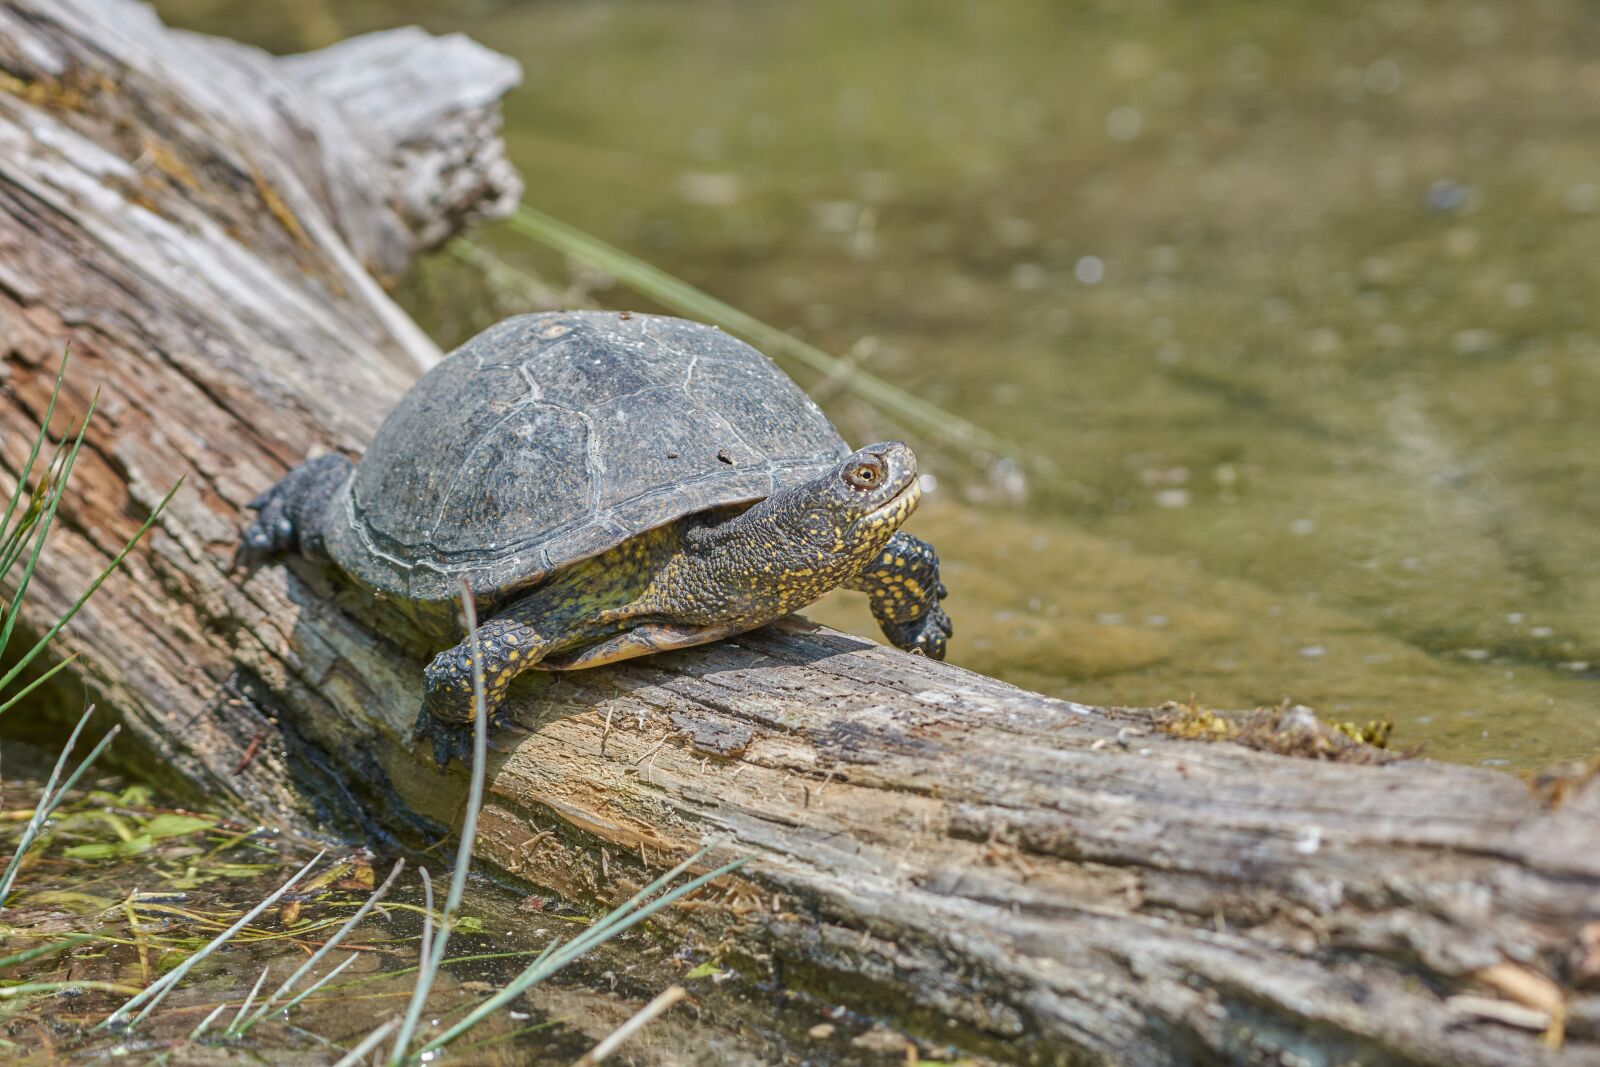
(549, 438)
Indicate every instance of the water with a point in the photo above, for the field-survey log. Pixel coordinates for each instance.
(1295, 298)
(122, 887)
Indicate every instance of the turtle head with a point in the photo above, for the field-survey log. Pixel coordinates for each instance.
(818, 535)
(852, 510)
(794, 546)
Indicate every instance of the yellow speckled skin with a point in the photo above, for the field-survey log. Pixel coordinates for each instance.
(709, 576)
(902, 585)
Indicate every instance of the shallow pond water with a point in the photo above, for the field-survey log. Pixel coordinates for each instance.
(123, 887)
(1286, 311)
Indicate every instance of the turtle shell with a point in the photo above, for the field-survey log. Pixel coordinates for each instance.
(547, 439)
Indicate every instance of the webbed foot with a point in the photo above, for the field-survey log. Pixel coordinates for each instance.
(926, 635)
(451, 740)
(905, 591)
(507, 646)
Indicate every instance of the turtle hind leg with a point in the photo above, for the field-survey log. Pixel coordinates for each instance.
(903, 587)
(508, 647)
(289, 515)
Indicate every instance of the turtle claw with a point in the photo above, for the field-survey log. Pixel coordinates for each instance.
(926, 635)
(272, 532)
(451, 740)
(899, 583)
(444, 746)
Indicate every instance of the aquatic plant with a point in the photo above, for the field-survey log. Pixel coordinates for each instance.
(22, 539)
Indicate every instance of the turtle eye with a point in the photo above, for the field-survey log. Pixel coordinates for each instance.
(868, 474)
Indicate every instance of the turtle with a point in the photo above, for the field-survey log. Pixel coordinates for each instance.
(608, 485)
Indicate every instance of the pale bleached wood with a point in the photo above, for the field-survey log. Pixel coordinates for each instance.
(424, 106)
(1032, 880)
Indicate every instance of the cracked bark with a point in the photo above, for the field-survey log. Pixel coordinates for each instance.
(1029, 879)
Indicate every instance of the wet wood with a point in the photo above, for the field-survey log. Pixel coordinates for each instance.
(972, 864)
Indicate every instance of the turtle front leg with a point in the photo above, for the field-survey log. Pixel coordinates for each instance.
(903, 587)
(508, 646)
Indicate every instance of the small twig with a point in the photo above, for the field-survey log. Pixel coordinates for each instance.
(652, 752)
(139, 936)
(249, 752)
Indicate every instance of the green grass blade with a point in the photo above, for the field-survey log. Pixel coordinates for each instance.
(510, 1035)
(52, 797)
(685, 299)
(314, 986)
(31, 988)
(546, 966)
(16, 540)
(44, 950)
(621, 911)
(593, 938)
(249, 1002)
(424, 985)
(480, 756)
(624, 909)
(358, 1055)
(434, 959)
(47, 519)
(116, 562)
(38, 443)
(453, 961)
(204, 1024)
(37, 682)
(41, 813)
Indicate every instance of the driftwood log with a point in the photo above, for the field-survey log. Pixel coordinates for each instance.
(981, 867)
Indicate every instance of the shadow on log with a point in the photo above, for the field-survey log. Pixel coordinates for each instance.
(1031, 880)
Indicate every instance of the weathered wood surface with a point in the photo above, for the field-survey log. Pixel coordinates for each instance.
(985, 867)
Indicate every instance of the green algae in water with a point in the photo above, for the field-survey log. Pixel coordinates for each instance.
(124, 889)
